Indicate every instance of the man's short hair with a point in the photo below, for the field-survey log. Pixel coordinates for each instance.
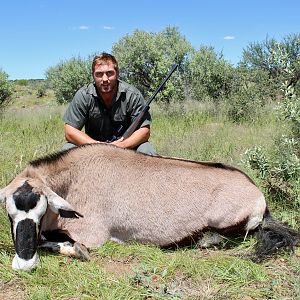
(104, 58)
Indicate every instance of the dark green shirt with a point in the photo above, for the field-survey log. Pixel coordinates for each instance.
(102, 124)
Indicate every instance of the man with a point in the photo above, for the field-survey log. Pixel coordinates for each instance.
(106, 108)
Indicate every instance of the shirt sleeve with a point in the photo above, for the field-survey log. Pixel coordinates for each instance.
(77, 111)
(138, 105)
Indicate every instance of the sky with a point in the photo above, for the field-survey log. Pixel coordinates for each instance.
(38, 34)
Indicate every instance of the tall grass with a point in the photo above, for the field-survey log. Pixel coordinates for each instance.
(195, 132)
(136, 271)
(26, 135)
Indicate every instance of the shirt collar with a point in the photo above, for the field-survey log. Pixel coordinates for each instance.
(92, 89)
(121, 89)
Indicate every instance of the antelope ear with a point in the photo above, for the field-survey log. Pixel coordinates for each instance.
(60, 206)
(2, 195)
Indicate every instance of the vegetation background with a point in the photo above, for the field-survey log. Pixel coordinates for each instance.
(246, 115)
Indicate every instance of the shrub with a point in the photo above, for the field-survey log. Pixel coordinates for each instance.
(243, 105)
(210, 76)
(5, 89)
(145, 59)
(67, 77)
(41, 90)
(273, 57)
(289, 110)
(281, 172)
(22, 82)
(251, 91)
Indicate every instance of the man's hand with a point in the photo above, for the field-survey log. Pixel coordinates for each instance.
(119, 143)
(139, 136)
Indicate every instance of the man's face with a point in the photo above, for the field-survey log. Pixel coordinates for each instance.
(105, 77)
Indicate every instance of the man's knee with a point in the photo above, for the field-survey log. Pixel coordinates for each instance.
(68, 146)
(146, 148)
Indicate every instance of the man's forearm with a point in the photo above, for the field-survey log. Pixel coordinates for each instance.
(138, 137)
(76, 136)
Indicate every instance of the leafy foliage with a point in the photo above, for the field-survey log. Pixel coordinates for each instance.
(273, 57)
(210, 76)
(22, 82)
(289, 110)
(67, 77)
(5, 89)
(41, 90)
(281, 173)
(251, 91)
(145, 59)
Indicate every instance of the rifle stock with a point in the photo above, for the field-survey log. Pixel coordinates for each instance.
(132, 128)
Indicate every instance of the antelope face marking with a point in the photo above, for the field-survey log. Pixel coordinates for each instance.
(26, 209)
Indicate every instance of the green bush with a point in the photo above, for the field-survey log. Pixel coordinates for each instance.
(289, 109)
(280, 174)
(244, 105)
(67, 77)
(251, 91)
(145, 59)
(210, 76)
(281, 171)
(5, 89)
(274, 57)
(41, 90)
(22, 82)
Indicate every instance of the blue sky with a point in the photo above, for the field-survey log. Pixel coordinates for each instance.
(36, 35)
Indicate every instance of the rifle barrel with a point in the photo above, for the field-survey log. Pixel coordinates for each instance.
(139, 118)
(173, 68)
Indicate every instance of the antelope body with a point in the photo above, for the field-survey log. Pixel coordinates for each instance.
(97, 192)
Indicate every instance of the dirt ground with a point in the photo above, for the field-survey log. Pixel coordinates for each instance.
(11, 291)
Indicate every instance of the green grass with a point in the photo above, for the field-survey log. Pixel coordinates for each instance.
(135, 271)
(193, 133)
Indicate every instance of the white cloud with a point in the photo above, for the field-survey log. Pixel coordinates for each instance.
(229, 37)
(83, 27)
(108, 27)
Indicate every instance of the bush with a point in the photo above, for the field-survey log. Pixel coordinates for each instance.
(67, 77)
(289, 109)
(41, 90)
(5, 89)
(210, 76)
(251, 91)
(281, 172)
(243, 105)
(145, 59)
(274, 57)
(21, 82)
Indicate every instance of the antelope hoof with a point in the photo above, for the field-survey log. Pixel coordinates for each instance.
(81, 252)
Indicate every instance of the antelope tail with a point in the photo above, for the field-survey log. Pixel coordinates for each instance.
(273, 236)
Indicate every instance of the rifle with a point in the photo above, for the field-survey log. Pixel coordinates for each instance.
(145, 109)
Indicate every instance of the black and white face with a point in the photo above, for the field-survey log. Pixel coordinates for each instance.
(26, 201)
(26, 210)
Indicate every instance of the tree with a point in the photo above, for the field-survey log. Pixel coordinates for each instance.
(5, 89)
(67, 77)
(281, 171)
(145, 59)
(275, 57)
(210, 76)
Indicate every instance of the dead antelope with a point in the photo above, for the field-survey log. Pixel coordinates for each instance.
(128, 196)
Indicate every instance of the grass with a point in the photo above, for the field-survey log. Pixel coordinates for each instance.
(135, 271)
(193, 133)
